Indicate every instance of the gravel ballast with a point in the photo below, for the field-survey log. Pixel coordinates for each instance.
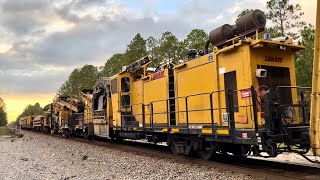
(38, 156)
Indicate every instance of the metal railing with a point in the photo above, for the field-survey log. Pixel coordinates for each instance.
(229, 109)
(303, 104)
(131, 116)
(99, 114)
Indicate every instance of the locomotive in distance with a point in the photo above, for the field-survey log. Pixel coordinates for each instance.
(239, 98)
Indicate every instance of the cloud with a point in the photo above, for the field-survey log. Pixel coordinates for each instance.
(214, 20)
(80, 37)
(24, 17)
(35, 79)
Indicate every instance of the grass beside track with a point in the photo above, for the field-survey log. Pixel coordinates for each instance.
(5, 131)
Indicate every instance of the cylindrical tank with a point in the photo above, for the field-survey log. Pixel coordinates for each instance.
(221, 34)
(251, 21)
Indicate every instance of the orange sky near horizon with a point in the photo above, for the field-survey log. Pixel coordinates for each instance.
(15, 103)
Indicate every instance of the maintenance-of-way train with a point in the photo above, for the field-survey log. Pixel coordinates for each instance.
(239, 98)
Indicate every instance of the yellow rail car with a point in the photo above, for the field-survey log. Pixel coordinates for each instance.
(240, 98)
(23, 122)
(72, 116)
(61, 112)
(26, 122)
(84, 124)
(29, 121)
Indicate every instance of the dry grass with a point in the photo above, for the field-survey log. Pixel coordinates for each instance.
(5, 131)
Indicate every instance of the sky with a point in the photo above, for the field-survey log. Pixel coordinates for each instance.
(42, 41)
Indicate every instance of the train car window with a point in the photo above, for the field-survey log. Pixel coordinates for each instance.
(125, 84)
(101, 104)
(230, 82)
(125, 100)
(114, 86)
(95, 103)
(277, 76)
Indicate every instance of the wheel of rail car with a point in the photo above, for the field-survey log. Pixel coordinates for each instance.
(240, 151)
(119, 139)
(207, 151)
(173, 146)
(305, 147)
(66, 134)
(261, 91)
(189, 148)
(173, 149)
(85, 135)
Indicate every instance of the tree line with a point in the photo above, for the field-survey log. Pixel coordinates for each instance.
(33, 110)
(3, 113)
(285, 18)
(167, 47)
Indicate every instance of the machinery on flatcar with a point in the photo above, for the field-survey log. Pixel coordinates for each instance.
(242, 98)
(87, 126)
(71, 116)
(67, 115)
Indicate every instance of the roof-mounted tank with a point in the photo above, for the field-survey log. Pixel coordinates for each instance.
(221, 34)
(245, 25)
(255, 20)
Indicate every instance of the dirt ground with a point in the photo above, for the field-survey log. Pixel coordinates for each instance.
(38, 156)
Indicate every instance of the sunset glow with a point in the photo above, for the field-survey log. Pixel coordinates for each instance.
(16, 103)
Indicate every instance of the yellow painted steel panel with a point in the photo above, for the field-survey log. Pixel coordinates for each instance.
(206, 131)
(155, 90)
(258, 57)
(237, 60)
(115, 106)
(136, 100)
(201, 76)
(175, 130)
(165, 130)
(194, 80)
(222, 131)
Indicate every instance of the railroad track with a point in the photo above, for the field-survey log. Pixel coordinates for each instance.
(255, 167)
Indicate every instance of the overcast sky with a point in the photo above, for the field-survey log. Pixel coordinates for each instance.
(42, 41)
